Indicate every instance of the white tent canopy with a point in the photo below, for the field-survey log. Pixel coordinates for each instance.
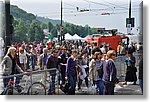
(77, 37)
(68, 36)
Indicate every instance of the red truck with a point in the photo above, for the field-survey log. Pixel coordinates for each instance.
(111, 40)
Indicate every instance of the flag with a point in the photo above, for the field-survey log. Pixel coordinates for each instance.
(50, 38)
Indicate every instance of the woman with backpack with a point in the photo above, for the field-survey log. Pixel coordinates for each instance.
(96, 71)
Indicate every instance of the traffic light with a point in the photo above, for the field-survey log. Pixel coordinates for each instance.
(61, 28)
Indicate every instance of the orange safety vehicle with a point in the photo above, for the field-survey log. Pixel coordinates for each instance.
(111, 40)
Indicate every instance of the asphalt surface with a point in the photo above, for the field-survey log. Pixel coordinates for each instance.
(120, 89)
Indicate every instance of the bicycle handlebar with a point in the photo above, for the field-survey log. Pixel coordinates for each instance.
(25, 73)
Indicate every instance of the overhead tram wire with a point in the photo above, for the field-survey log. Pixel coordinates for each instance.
(115, 4)
(121, 6)
(87, 15)
(92, 10)
(100, 4)
(133, 2)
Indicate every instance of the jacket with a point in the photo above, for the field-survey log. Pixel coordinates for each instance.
(110, 73)
(41, 61)
(6, 66)
(93, 71)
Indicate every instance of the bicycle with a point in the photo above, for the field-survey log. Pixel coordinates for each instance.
(36, 88)
(12, 88)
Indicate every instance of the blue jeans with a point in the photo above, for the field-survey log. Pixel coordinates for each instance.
(141, 84)
(6, 80)
(100, 85)
(51, 89)
(33, 58)
(109, 88)
(72, 82)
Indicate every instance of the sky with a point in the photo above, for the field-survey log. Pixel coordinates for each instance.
(118, 10)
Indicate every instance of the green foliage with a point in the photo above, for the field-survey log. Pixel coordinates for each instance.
(29, 27)
(21, 14)
(35, 31)
(20, 32)
(50, 26)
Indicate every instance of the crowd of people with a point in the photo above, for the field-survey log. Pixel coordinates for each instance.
(75, 60)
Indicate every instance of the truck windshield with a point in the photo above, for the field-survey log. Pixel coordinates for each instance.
(125, 41)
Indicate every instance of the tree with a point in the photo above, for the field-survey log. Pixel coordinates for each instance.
(35, 31)
(50, 26)
(44, 26)
(54, 32)
(20, 32)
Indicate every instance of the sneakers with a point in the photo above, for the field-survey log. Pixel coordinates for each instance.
(125, 83)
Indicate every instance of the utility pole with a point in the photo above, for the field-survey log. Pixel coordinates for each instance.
(8, 36)
(129, 25)
(61, 25)
(130, 12)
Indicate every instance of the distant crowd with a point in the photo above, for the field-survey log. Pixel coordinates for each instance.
(76, 61)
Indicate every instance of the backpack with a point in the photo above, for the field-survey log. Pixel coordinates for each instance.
(100, 70)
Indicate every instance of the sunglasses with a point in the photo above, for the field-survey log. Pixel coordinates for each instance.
(113, 54)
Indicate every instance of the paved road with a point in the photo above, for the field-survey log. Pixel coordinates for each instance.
(119, 89)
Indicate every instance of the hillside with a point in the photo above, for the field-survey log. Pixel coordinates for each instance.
(21, 14)
(46, 20)
(29, 27)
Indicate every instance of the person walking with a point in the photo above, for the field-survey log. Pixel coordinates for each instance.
(110, 73)
(71, 73)
(85, 69)
(63, 61)
(52, 62)
(96, 72)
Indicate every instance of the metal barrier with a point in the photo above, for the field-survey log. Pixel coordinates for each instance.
(34, 72)
(138, 56)
(121, 67)
(121, 64)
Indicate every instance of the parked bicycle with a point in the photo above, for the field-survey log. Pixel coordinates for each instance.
(29, 88)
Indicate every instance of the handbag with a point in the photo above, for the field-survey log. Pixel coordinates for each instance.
(65, 88)
(135, 69)
(92, 89)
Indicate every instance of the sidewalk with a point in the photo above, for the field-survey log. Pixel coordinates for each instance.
(119, 90)
(128, 89)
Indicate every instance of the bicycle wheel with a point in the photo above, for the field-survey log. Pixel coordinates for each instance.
(8, 91)
(13, 90)
(37, 88)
